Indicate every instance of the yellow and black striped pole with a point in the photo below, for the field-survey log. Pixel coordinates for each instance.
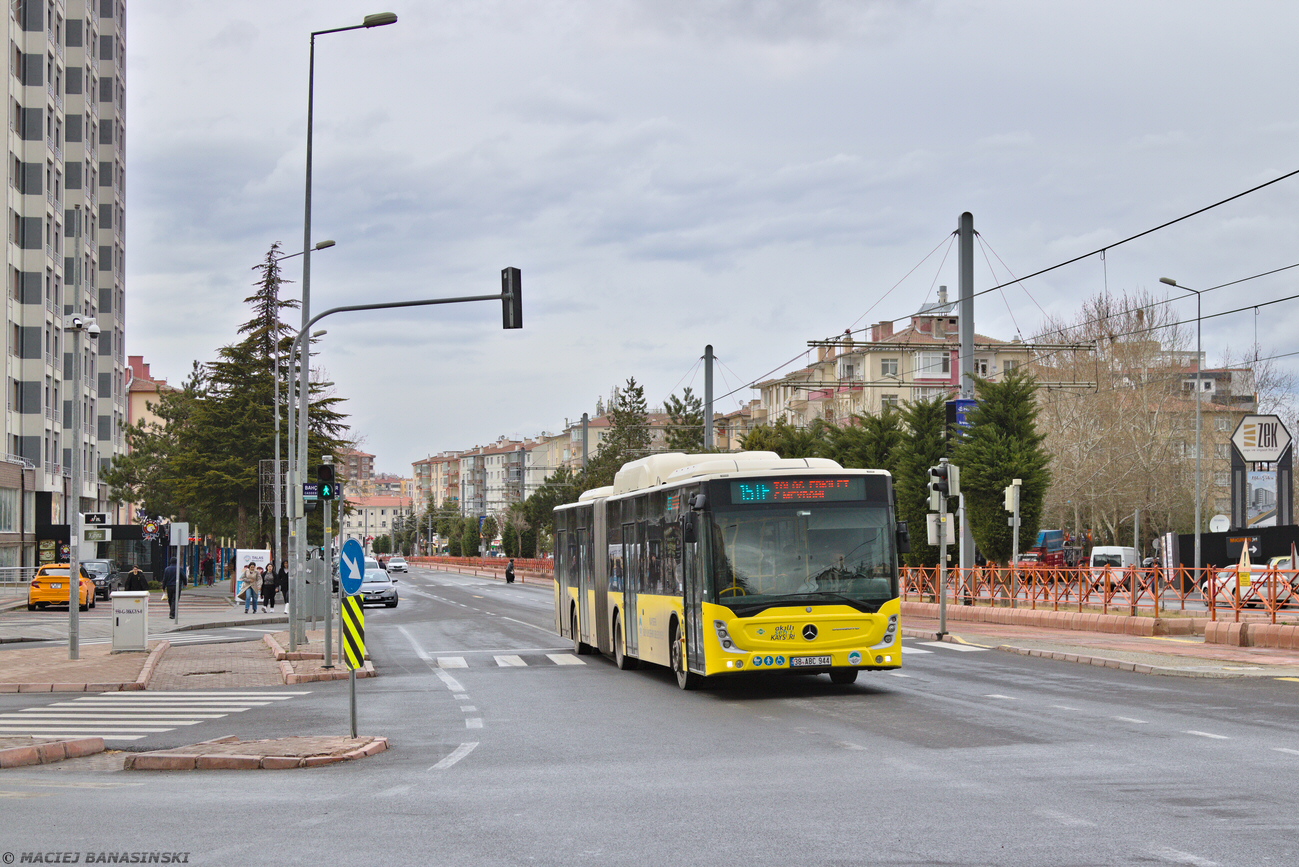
(353, 645)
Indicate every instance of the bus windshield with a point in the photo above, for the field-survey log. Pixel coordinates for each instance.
(803, 554)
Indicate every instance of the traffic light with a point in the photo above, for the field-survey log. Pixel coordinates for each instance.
(944, 482)
(325, 476)
(512, 298)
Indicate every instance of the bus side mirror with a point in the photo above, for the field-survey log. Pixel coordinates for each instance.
(688, 527)
(904, 538)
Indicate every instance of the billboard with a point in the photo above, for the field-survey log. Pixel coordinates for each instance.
(1260, 498)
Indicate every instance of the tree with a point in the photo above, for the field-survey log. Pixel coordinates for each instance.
(469, 539)
(924, 443)
(685, 422)
(1001, 444)
(382, 545)
(489, 531)
(206, 467)
(628, 437)
(788, 441)
(872, 441)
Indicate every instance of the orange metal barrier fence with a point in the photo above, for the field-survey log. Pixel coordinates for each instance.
(1112, 590)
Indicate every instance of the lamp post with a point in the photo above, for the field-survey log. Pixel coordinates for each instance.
(298, 524)
(279, 489)
(1199, 389)
(78, 325)
(293, 492)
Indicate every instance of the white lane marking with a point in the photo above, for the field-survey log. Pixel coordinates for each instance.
(64, 729)
(122, 737)
(32, 714)
(452, 662)
(178, 693)
(394, 791)
(998, 695)
(533, 625)
(565, 659)
(469, 708)
(898, 674)
(461, 697)
(1207, 735)
(947, 645)
(474, 723)
(1176, 856)
(510, 661)
(419, 651)
(1065, 819)
(1130, 719)
(1063, 707)
(1284, 750)
(848, 745)
(262, 630)
(451, 682)
(913, 651)
(494, 650)
(456, 755)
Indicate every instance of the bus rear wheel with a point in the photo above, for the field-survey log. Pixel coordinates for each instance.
(686, 679)
(620, 657)
(843, 676)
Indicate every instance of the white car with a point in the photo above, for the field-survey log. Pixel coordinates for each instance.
(1264, 584)
(397, 564)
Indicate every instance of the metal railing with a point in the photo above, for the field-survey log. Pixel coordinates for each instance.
(1215, 592)
(14, 579)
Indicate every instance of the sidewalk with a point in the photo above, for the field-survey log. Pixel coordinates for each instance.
(1180, 655)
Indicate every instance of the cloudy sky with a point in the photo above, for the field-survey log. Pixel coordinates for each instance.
(673, 173)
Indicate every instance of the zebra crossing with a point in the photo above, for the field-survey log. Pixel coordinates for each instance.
(130, 716)
(509, 660)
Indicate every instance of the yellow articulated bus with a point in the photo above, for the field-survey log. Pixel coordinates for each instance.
(723, 564)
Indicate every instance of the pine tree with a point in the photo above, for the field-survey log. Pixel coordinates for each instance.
(923, 444)
(685, 422)
(627, 440)
(788, 441)
(872, 442)
(1002, 444)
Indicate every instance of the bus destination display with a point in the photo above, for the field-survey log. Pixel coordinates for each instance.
(781, 490)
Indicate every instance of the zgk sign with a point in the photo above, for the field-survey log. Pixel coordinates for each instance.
(1261, 438)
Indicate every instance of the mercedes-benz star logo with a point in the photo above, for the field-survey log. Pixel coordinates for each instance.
(809, 632)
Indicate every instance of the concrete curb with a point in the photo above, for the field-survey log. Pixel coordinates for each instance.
(223, 624)
(1080, 621)
(46, 752)
(285, 660)
(1081, 658)
(165, 760)
(141, 681)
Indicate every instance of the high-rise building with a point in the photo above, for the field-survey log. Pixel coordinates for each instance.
(66, 249)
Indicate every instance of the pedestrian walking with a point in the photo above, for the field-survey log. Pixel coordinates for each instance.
(509, 572)
(136, 582)
(208, 570)
(282, 579)
(172, 576)
(252, 586)
(269, 586)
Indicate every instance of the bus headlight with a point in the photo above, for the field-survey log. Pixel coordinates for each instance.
(890, 632)
(724, 637)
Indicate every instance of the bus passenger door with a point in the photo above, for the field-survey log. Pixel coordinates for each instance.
(631, 584)
(693, 597)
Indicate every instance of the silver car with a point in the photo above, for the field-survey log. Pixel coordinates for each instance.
(378, 587)
(397, 564)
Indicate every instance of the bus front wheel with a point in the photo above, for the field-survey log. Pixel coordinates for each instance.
(620, 657)
(843, 676)
(580, 647)
(686, 679)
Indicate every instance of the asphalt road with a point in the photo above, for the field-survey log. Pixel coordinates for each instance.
(509, 750)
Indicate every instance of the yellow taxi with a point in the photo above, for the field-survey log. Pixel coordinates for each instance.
(50, 587)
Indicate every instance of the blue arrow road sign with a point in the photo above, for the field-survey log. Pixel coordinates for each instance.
(351, 567)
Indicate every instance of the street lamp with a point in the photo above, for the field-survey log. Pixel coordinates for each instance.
(279, 490)
(298, 537)
(78, 325)
(1199, 388)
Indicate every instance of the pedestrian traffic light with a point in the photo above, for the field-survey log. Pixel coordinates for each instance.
(512, 298)
(325, 476)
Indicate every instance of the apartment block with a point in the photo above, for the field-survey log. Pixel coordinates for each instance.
(66, 250)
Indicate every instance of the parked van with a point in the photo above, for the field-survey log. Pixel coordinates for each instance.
(1114, 560)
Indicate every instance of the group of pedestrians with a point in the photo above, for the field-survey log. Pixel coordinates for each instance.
(262, 584)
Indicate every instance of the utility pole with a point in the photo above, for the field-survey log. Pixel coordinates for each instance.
(708, 398)
(329, 574)
(965, 245)
(1012, 505)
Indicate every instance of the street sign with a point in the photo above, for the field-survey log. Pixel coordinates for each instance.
(351, 567)
(310, 491)
(179, 533)
(97, 534)
(1261, 438)
(94, 519)
(354, 633)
